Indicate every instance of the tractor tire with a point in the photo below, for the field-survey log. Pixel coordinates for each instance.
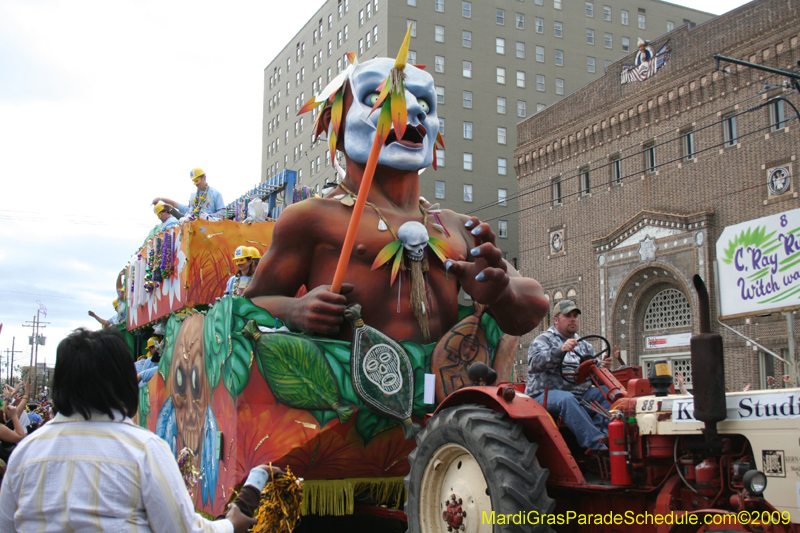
(482, 458)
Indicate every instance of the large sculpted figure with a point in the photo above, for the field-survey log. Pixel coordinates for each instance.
(308, 237)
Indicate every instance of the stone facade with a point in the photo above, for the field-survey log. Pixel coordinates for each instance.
(625, 188)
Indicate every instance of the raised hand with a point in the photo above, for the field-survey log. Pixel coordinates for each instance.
(320, 311)
(486, 277)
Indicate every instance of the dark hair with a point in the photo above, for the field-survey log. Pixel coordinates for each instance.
(94, 370)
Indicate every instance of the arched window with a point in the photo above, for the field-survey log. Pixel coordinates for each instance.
(669, 309)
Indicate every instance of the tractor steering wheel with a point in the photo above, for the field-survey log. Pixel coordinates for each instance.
(572, 376)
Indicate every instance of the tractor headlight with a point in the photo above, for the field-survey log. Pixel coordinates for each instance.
(755, 482)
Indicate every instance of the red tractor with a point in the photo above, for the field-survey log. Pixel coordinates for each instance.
(492, 459)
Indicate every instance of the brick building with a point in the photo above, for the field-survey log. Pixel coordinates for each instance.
(624, 188)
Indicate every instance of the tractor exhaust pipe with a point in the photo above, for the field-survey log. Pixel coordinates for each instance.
(708, 369)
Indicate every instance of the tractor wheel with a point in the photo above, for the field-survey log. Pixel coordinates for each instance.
(471, 463)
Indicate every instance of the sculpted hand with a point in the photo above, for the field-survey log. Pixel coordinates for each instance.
(486, 277)
(320, 311)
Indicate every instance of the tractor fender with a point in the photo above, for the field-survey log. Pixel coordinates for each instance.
(538, 425)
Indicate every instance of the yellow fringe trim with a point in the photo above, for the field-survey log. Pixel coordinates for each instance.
(337, 496)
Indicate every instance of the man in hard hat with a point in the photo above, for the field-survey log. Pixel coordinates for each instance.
(147, 365)
(164, 215)
(119, 318)
(206, 202)
(246, 259)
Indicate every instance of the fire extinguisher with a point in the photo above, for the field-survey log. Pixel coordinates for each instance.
(618, 452)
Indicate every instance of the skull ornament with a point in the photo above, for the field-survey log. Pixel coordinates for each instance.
(382, 367)
(189, 386)
(415, 238)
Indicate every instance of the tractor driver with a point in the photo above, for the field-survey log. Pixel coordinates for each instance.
(554, 353)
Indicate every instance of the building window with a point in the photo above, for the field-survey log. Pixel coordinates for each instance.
(501, 75)
(500, 45)
(360, 46)
(466, 10)
(540, 83)
(439, 95)
(330, 22)
(626, 44)
(607, 13)
(439, 191)
(439, 64)
(687, 144)
(339, 38)
(589, 36)
(559, 58)
(441, 125)
(669, 309)
(520, 21)
(585, 185)
(360, 20)
(502, 197)
(539, 25)
(623, 17)
(412, 2)
(556, 4)
(559, 86)
(557, 191)
(375, 33)
(466, 69)
(650, 157)
(521, 109)
(439, 158)
(502, 229)
(520, 50)
(670, 26)
(501, 105)
(369, 39)
(468, 188)
(501, 16)
(540, 54)
(607, 39)
(369, 10)
(590, 64)
(520, 79)
(540, 107)
(729, 130)
(466, 39)
(558, 30)
(467, 100)
(642, 22)
(590, 9)
(438, 34)
(412, 57)
(346, 35)
(438, 5)
(468, 130)
(777, 116)
(616, 169)
(501, 136)
(502, 166)
(413, 24)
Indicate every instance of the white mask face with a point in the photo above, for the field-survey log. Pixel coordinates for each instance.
(415, 150)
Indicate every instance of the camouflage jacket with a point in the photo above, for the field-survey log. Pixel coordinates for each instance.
(545, 360)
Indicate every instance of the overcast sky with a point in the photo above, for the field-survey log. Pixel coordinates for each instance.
(107, 104)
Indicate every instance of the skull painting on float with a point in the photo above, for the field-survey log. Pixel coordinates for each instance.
(186, 419)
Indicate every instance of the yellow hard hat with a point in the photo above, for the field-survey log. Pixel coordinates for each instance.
(159, 207)
(241, 254)
(254, 253)
(196, 174)
(115, 303)
(151, 342)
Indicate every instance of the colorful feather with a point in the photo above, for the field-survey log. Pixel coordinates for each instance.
(385, 89)
(386, 253)
(440, 248)
(332, 145)
(310, 104)
(398, 260)
(435, 166)
(440, 139)
(384, 125)
(336, 112)
(402, 55)
(399, 111)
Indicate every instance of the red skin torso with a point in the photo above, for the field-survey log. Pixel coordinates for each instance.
(306, 246)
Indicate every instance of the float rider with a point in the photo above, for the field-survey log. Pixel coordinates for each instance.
(204, 203)
(164, 215)
(246, 259)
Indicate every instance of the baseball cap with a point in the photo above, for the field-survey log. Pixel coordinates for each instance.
(564, 307)
(196, 173)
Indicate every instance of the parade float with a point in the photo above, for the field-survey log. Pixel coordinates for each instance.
(239, 389)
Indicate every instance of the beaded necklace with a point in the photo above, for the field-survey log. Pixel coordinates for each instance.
(197, 204)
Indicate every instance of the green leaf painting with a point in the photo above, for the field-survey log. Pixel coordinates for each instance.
(756, 237)
(172, 329)
(144, 405)
(217, 339)
(297, 371)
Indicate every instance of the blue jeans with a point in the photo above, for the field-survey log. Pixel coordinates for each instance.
(587, 426)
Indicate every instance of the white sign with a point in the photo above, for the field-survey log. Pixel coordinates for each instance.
(759, 265)
(746, 406)
(667, 341)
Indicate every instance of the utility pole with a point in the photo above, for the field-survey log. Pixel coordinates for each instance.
(10, 365)
(36, 340)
